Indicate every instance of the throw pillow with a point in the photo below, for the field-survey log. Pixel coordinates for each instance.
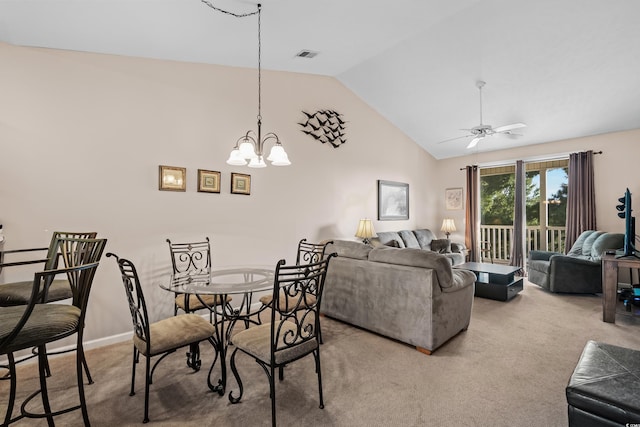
(442, 246)
(393, 243)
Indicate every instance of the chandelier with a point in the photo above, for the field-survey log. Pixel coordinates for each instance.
(250, 147)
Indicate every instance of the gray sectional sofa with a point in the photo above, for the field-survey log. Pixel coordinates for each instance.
(422, 239)
(407, 294)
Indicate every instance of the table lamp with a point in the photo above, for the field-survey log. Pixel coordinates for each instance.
(448, 226)
(365, 230)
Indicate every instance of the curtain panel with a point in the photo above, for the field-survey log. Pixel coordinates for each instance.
(472, 226)
(581, 199)
(518, 246)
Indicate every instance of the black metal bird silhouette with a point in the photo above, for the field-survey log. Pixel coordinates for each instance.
(327, 126)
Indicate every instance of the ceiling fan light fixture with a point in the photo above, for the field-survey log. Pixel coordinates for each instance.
(483, 130)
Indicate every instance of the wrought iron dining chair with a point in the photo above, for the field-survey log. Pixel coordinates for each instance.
(38, 323)
(307, 253)
(293, 331)
(159, 338)
(19, 293)
(188, 258)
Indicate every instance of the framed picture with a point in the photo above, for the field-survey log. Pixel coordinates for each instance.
(240, 183)
(172, 178)
(208, 181)
(453, 198)
(393, 200)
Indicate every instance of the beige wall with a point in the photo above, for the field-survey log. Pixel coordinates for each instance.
(82, 136)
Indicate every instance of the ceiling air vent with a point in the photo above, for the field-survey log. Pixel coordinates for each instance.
(306, 54)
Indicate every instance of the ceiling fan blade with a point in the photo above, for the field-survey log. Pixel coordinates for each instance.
(453, 139)
(474, 141)
(509, 127)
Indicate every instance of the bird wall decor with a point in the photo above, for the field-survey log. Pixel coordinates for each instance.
(325, 126)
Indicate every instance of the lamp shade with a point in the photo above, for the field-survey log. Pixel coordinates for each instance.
(448, 225)
(236, 159)
(365, 229)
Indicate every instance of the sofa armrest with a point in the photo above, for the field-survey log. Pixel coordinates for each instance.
(460, 279)
(542, 255)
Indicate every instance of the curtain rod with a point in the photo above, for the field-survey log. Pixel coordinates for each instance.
(531, 160)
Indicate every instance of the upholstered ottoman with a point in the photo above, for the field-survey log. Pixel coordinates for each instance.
(604, 389)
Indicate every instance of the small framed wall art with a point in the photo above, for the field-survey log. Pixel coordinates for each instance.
(393, 200)
(172, 178)
(453, 199)
(240, 183)
(208, 181)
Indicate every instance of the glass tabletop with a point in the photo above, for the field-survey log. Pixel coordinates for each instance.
(221, 281)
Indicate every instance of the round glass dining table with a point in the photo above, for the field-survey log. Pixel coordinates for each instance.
(239, 283)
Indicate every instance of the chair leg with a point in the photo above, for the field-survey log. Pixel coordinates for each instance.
(133, 371)
(146, 388)
(42, 365)
(316, 355)
(81, 365)
(272, 392)
(12, 389)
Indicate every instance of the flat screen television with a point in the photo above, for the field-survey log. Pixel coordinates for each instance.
(624, 211)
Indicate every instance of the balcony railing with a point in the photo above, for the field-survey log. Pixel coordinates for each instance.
(500, 237)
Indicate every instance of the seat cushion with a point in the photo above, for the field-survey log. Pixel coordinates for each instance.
(19, 293)
(257, 342)
(175, 332)
(289, 301)
(47, 322)
(605, 383)
(196, 304)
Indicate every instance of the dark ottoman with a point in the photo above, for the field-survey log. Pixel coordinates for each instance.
(604, 389)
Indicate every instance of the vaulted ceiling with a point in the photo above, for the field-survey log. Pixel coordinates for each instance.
(566, 68)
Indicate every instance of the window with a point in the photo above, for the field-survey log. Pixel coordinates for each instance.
(546, 205)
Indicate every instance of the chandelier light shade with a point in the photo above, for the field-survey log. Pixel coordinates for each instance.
(249, 149)
(365, 230)
(448, 226)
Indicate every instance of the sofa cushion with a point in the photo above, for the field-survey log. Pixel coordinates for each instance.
(409, 239)
(576, 249)
(442, 246)
(424, 237)
(386, 236)
(606, 241)
(349, 249)
(589, 241)
(416, 258)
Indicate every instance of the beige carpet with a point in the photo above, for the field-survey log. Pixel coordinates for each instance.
(509, 369)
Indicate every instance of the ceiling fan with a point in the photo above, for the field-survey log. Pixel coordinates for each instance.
(481, 131)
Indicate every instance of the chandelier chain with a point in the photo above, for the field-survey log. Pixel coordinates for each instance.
(244, 15)
(237, 15)
(259, 65)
